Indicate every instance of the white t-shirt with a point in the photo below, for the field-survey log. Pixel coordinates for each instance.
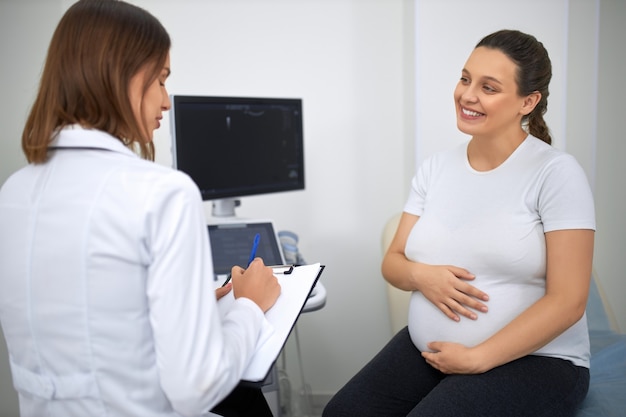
(106, 295)
(493, 223)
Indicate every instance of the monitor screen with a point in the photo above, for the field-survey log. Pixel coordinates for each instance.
(238, 146)
(231, 243)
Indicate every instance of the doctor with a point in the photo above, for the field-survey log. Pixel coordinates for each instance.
(105, 300)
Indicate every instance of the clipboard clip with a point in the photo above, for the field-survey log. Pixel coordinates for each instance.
(282, 269)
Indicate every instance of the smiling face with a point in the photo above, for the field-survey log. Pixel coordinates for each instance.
(486, 96)
(149, 105)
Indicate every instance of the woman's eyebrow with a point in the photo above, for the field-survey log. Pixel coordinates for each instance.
(486, 77)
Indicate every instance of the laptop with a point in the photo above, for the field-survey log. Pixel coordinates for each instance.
(231, 243)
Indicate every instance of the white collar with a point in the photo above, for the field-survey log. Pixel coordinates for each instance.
(76, 136)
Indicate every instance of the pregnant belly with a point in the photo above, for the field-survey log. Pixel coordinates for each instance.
(428, 324)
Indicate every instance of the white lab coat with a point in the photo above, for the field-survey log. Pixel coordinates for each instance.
(106, 299)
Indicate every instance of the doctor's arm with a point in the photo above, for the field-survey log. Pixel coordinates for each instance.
(569, 263)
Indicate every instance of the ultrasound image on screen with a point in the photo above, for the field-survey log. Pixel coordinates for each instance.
(236, 148)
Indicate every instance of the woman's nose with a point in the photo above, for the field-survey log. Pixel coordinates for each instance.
(468, 94)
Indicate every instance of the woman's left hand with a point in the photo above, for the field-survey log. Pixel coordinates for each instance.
(222, 291)
(453, 358)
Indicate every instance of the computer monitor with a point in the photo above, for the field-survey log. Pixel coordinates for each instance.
(234, 147)
(231, 242)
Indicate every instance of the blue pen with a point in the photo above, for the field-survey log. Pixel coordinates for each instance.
(255, 246)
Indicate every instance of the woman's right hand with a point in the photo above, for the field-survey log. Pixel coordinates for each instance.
(257, 283)
(443, 285)
(447, 288)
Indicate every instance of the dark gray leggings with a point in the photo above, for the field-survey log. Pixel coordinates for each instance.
(398, 382)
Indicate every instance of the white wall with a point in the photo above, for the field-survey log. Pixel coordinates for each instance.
(25, 30)
(352, 62)
(610, 153)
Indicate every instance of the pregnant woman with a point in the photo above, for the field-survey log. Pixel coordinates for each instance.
(496, 244)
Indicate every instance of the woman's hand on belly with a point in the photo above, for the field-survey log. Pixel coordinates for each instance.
(453, 358)
(447, 288)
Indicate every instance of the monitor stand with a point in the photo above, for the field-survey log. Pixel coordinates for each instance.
(225, 207)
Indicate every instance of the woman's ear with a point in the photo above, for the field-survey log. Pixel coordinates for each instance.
(530, 102)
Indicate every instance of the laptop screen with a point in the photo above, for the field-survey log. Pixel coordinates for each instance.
(231, 244)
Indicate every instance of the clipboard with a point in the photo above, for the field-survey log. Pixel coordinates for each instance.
(296, 287)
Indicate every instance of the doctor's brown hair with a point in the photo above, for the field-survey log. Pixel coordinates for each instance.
(96, 49)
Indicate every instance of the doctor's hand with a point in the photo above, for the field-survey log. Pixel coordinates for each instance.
(222, 291)
(257, 283)
(453, 358)
(447, 288)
